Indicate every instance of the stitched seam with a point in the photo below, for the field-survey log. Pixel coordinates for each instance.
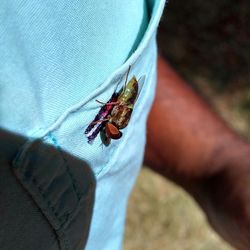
(72, 179)
(52, 209)
(76, 107)
(38, 196)
(66, 242)
(17, 163)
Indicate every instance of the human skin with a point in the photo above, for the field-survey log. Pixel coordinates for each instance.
(190, 144)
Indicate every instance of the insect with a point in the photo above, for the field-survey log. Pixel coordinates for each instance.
(115, 114)
(122, 110)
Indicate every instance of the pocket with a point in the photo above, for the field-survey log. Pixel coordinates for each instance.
(62, 188)
(68, 131)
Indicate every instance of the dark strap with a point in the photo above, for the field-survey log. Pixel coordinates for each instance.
(46, 196)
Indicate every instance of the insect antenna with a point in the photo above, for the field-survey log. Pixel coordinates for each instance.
(122, 89)
(126, 80)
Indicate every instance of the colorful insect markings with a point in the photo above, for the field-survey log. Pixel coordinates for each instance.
(122, 110)
(115, 114)
(97, 124)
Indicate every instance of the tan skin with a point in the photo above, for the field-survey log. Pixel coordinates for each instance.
(188, 143)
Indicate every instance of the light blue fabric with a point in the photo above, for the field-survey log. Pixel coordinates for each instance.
(45, 92)
(54, 53)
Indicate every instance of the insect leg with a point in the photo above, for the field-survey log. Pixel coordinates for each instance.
(95, 122)
(140, 83)
(107, 103)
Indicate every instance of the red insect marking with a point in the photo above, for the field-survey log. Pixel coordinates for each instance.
(112, 131)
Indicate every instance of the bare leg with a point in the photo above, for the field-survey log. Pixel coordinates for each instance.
(190, 144)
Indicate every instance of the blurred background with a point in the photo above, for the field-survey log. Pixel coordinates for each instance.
(208, 43)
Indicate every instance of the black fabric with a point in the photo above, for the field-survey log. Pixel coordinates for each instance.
(46, 196)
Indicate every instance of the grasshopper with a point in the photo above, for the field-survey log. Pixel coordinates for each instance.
(119, 113)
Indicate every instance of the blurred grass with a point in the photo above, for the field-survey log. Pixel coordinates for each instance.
(210, 39)
(162, 216)
(208, 44)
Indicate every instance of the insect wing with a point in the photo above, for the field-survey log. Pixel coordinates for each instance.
(93, 124)
(105, 139)
(94, 127)
(112, 131)
(141, 82)
(91, 135)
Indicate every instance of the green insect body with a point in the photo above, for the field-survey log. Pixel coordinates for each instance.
(129, 93)
(122, 111)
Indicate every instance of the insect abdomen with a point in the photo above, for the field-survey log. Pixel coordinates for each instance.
(120, 116)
